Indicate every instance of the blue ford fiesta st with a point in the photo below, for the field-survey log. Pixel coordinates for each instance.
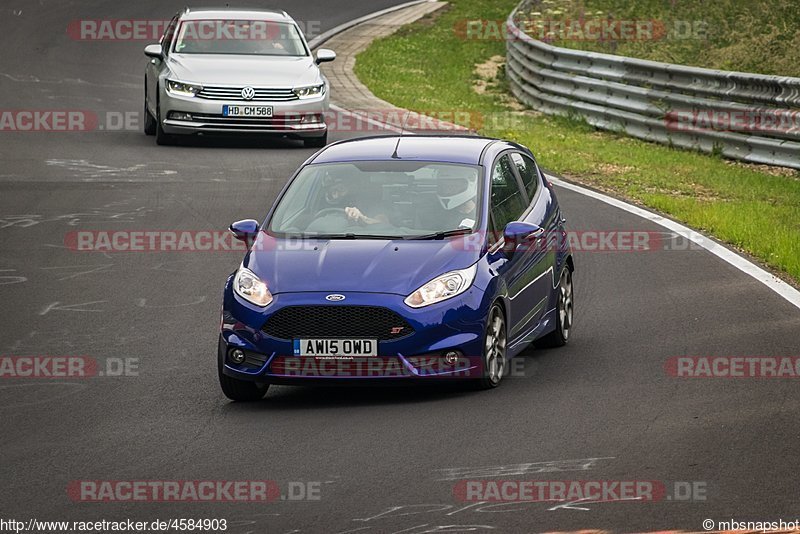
(398, 258)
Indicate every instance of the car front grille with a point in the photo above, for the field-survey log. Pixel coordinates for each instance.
(278, 122)
(263, 94)
(313, 322)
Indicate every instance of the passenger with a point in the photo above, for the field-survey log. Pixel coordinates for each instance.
(457, 191)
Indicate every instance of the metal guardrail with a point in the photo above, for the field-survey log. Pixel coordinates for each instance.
(742, 116)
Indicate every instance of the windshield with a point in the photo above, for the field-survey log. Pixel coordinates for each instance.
(243, 37)
(380, 199)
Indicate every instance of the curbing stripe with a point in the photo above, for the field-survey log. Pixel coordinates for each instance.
(374, 122)
(320, 39)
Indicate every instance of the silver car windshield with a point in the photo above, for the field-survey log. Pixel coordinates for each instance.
(241, 37)
(380, 199)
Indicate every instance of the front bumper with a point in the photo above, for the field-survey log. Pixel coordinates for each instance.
(295, 118)
(454, 326)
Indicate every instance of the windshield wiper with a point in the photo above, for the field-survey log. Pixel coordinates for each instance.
(352, 236)
(329, 236)
(443, 234)
(374, 236)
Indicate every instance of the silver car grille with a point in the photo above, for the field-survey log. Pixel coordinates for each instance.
(267, 122)
(262, 94)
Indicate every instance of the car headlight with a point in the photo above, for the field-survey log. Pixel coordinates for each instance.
(183, 89)
(250, 287)
(442, 287)
(312, 91)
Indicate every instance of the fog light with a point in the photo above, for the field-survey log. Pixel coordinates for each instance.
(452, 357)
(179, 116)
(236, 356)
(314, 118)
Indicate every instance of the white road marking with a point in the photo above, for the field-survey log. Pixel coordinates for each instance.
(142, 303)
(56, 306)
(572, 505)
(82, 167)
(554, 466)
(7, 279)
(94, 269)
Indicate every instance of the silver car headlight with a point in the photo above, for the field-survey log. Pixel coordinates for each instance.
(312, 91)
(183, 89)
(250, 287)
(442, 287)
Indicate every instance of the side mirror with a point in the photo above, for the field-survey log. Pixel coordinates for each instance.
(244, 230)
(153, 51)
(517, 233)
(324, 55)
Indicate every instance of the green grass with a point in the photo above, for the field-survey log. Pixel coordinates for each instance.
(427, 67)
(745, 35)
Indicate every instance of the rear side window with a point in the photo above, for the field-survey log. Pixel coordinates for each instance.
(508, 202)
(527, 171)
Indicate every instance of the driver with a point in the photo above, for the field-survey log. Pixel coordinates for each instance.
(355, 215)
(338, 194)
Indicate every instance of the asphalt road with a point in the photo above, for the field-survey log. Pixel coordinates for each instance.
(384, 460)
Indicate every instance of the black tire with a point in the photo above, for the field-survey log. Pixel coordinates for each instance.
(240, 390)
(316, 142)
(162, 138)
(149, 120)
(494, 350)
(564, 314)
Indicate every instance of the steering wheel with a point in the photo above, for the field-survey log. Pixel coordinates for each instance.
(329, 211)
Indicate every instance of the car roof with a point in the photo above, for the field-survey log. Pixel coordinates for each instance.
(228, 13)
(444, 148)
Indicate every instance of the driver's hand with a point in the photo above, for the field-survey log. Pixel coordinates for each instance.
(355, 215)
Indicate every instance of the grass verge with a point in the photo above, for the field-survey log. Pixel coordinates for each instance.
(428, 66)
(751, 36)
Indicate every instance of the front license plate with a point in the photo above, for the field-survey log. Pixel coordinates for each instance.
(247, 111)
(336, 348)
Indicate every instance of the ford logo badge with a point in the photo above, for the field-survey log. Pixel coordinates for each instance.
(335, 297)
